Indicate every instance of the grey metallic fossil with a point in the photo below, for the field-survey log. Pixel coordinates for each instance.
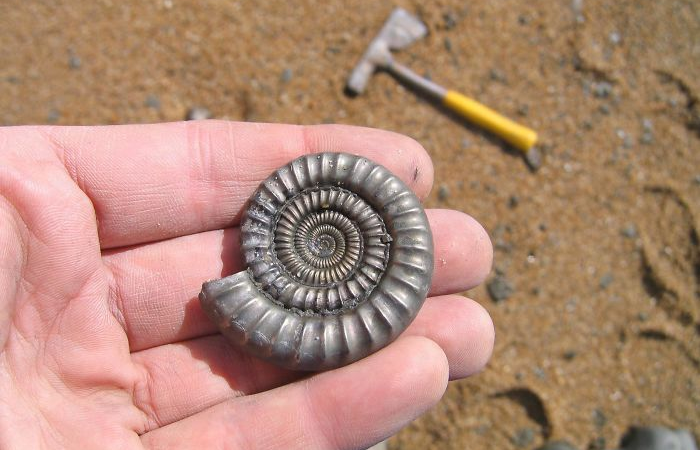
(339, 259)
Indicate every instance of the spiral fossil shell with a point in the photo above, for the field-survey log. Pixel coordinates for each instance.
(339, 259)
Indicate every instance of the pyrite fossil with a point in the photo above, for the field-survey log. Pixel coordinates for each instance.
(339, 259)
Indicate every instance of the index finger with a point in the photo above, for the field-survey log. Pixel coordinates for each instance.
(153, 182)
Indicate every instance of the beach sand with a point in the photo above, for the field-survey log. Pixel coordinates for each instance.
(597, 263)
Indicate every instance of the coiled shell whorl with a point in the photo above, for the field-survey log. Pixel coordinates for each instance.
(339, 259)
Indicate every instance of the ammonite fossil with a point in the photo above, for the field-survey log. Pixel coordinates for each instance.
(339, 259)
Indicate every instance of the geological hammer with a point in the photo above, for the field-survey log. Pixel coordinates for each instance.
(399, 31)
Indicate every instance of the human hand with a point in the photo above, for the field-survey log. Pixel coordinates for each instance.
(106, 235)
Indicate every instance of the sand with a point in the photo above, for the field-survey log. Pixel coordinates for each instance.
(599, 247)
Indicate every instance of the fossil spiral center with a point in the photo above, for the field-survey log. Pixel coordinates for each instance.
(323, 248)
(329, 249)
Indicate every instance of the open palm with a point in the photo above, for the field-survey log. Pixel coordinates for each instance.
(106, 235)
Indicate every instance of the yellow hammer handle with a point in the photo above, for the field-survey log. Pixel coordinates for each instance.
(520, 137)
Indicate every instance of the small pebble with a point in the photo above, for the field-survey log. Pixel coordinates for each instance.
(443, 192)
(466, 143)
(450, 20)
(602, 89)
(53, 115)
(523, 19)
(597, 444)
(696, 179)
(657, 438)
(497, 75)
(604, 109)
(500, 288)
(74, 62)
(524, 437)
(523, 110)
(286, 76)
(629, 231)
(606, 280)
(557, 445)
(615, 38)
(539, 373)
(513, 201)
(599, 418)
(570, 354)
(647, 138)
(628, 142)
(198, 113)
(448, 44)
(152, 101)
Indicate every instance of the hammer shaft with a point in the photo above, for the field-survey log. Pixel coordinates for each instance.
(517, 135)
(406, 75)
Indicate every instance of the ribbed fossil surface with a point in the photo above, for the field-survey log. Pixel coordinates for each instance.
(340, 257)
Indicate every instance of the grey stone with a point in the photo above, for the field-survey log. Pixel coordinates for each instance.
(443, 192)
(524, 437)
(606, 280)
(152, 101)
(450, 20)
(500, 288)
(513, 201)
(657, 438)
(615, 38)
(629, 231)
(198, 113)
(599, 418)
(597, 444)
(497, 75)
(287, 75)
(74, 62)
(602, 89)
(53, 115)
(557, 445)
(647, 138)
(448, 44)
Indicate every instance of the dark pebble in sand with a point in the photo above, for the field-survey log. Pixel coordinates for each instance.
(500, 288)
(599, 418)
(286, 76)
(152, 101)
(448, 44)
(524, 437)
(443, 192)
(602, 89)
(198, 113)
(657, 438)
(513, 201)
(74, 62)
(557, 445)
(450, 20)
(570, 354)
(53, 116)
(497, 75)
(629, 231)
(597, 444)
(606, 280)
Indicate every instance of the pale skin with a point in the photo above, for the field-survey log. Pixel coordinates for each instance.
(106, 235)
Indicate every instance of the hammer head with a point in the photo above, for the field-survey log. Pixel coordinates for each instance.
(399, 31)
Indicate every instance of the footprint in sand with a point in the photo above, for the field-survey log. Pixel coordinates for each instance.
(671, 253)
